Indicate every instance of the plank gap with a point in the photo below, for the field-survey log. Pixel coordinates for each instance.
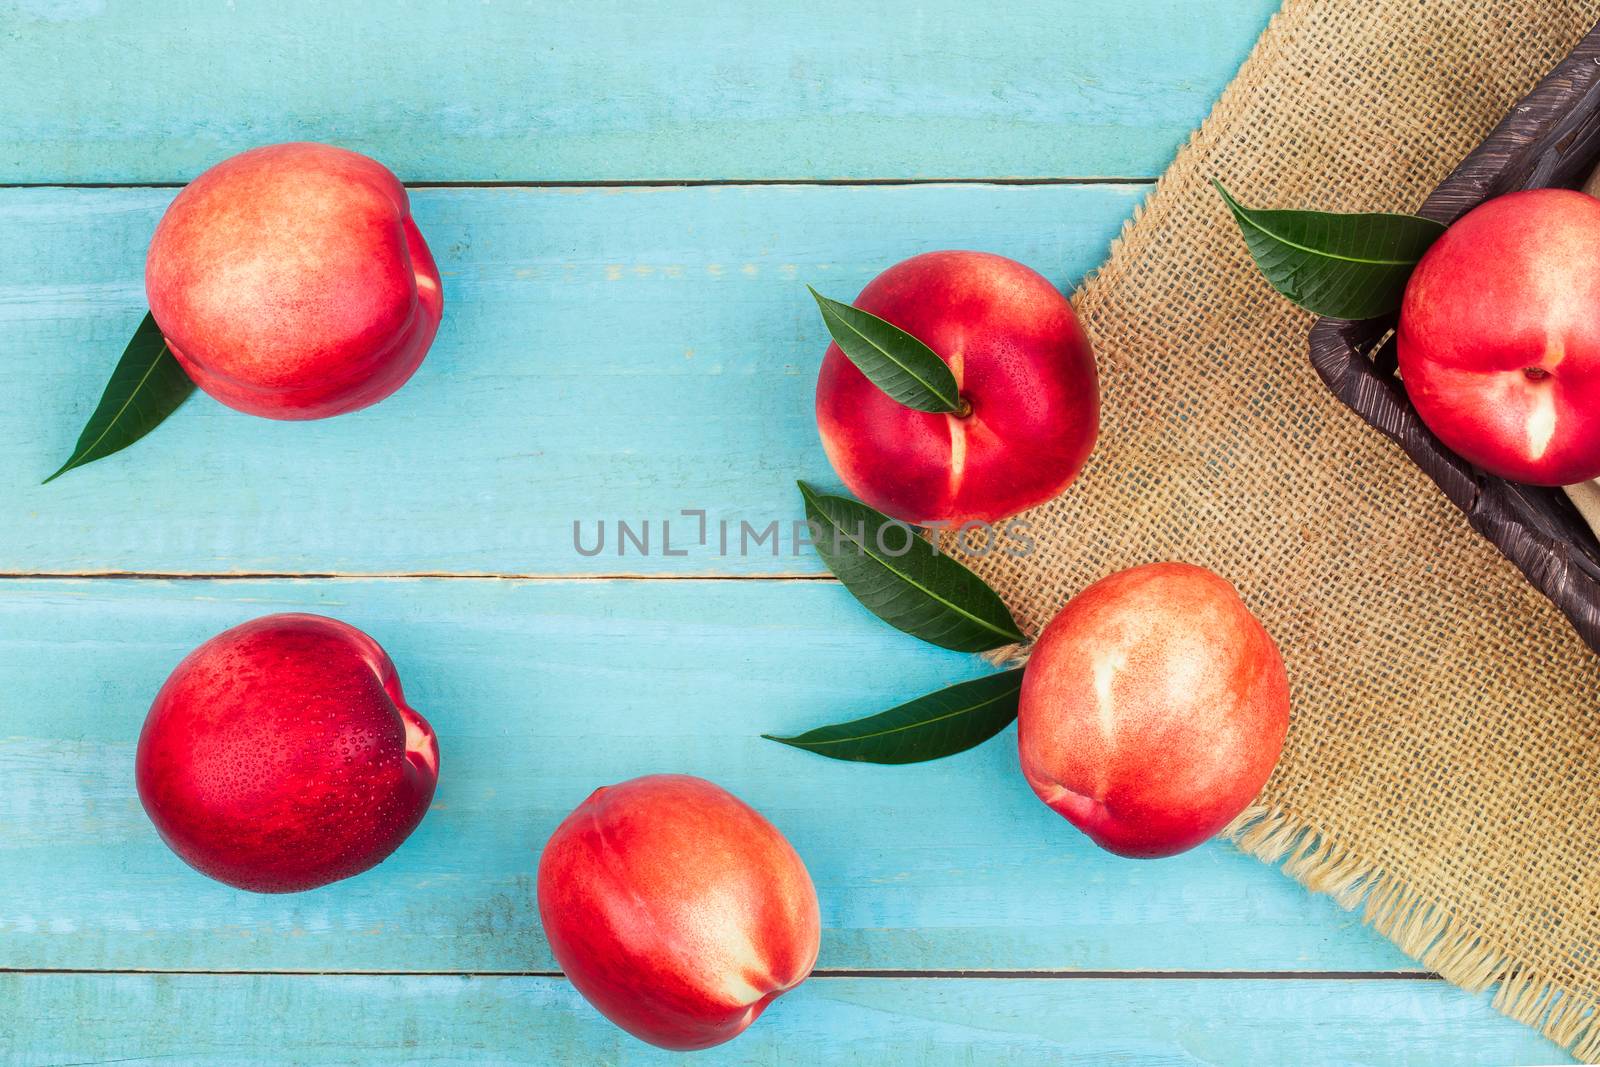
(650, 183)
(821, 972)
(342, 576)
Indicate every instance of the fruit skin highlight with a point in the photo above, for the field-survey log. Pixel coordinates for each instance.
(281, 755)
(676, 909)
(1153, 709)
(1021, 361)
(291, 282)
(1499, 337)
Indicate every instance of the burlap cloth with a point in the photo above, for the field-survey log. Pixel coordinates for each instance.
(1443, 764)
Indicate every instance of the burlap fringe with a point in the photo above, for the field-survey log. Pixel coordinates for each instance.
(1008, 656)
(1421, 929)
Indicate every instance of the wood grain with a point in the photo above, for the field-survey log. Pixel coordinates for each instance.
(246, 1020)
(157, 90)
(540, 692)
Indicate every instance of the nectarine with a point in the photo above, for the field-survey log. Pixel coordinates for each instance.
(1499, 337)
(290, 282)
(1153, 709)
(676, 909)
(1022, 364)
(280, 755)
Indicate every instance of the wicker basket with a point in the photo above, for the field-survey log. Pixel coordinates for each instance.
(1551, 138)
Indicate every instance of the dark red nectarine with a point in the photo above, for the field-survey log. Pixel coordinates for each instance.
(281, 755)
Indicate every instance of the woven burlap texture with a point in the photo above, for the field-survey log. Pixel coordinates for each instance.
(1443, 764)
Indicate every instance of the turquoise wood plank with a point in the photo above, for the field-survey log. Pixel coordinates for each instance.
(541, 691)
(872, 1022)
(158, 90)
(605, 354)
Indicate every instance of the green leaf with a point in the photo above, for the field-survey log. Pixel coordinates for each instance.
(907, 370)
(905, 580)
(1341, 266)
(147, 386)
(940, 724)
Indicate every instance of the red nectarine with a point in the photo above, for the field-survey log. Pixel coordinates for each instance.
(1153, 709)
(280, 755)
(1499, 338)
(676, 909)
(1020, 360)
(290, 282)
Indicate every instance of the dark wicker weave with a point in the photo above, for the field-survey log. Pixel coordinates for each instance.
(1551, 138)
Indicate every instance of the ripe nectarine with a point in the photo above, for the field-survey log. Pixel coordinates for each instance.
(291, 283)
(1499, 337)
(676, 909)
(1153, 709)
(280, 755)
(1022, 364)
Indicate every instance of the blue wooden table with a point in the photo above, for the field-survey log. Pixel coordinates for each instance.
(624, 201)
